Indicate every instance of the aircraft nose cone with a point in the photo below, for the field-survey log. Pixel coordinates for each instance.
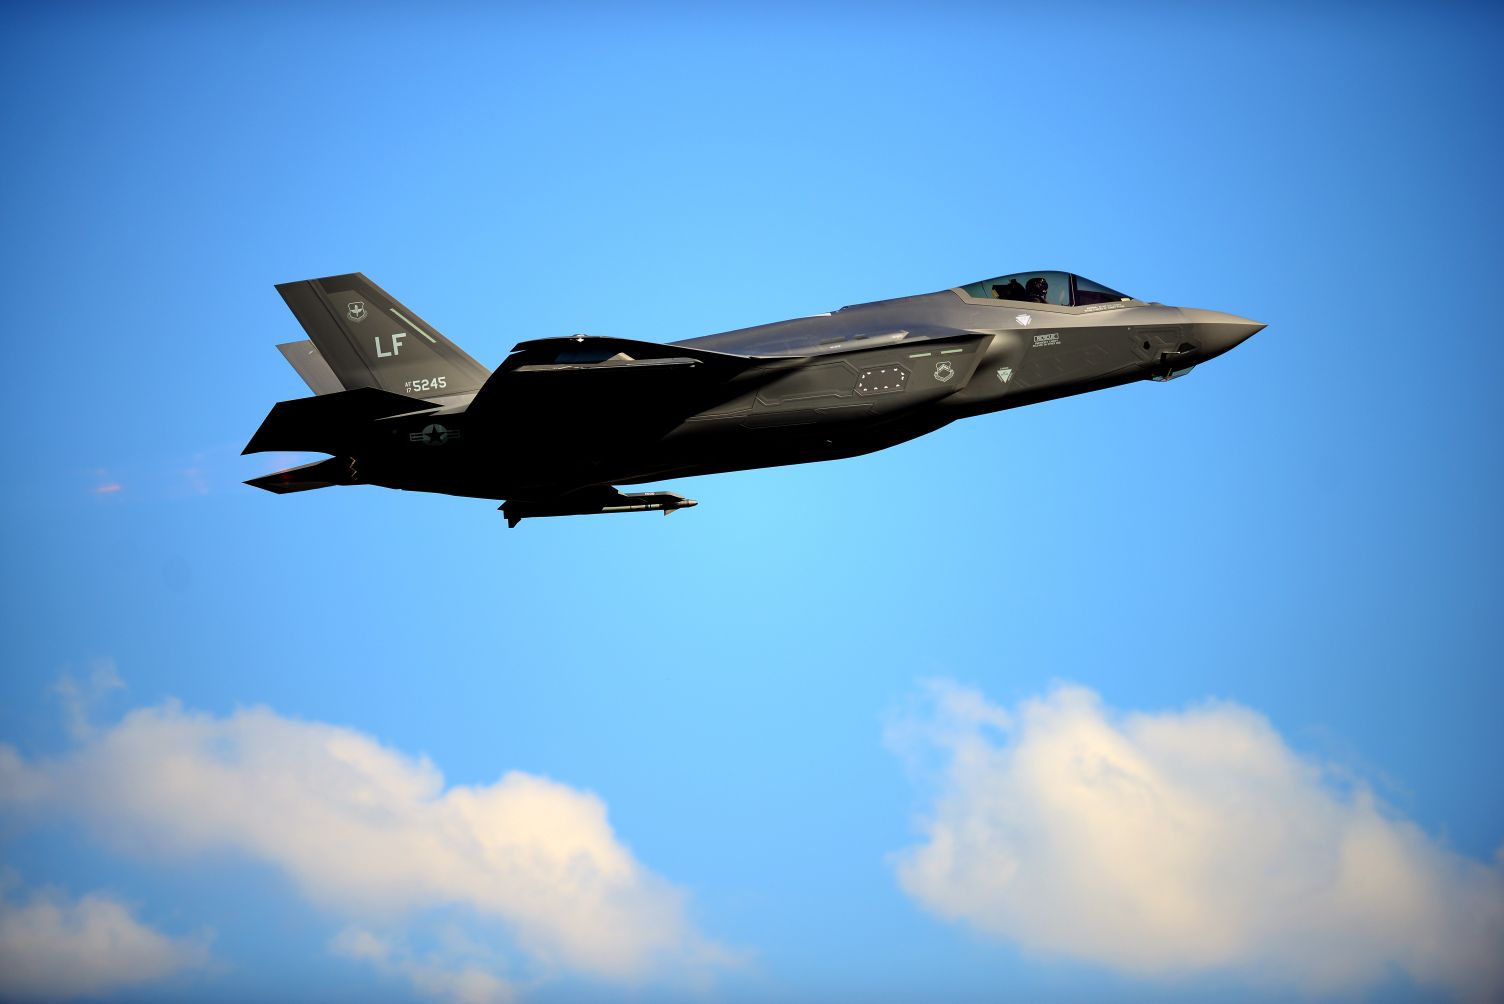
(1216, 332)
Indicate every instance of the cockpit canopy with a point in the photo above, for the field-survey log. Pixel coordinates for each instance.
(1060, 288)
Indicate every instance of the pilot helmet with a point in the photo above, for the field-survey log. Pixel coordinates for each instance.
(1037, 286)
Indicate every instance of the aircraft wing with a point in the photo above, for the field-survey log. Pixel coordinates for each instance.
(609, 383)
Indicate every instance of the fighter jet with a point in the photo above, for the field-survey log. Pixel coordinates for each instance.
(563, 421)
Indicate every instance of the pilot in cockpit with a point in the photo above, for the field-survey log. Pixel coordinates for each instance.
(1012, 291)
(1036, 290)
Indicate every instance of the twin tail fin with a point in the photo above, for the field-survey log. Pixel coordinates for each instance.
(361, 336)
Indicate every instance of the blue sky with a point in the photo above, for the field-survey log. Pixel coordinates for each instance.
(1293, 553)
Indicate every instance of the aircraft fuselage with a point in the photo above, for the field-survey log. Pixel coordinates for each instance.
(566, 416)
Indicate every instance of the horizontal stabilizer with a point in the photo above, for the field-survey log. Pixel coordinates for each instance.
(304, 357)
(319, 474)
(592, 501)
(323, 424)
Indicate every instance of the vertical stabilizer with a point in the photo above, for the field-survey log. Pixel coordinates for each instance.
(369, 339)
(304, 357)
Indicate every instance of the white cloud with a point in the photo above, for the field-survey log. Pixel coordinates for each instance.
(1182, 841)
(79, 699)
(54, 948)
(367, 831)
(448, 976)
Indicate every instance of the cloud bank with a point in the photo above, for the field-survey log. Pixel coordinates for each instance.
(56, 948)
(369, 832)
(1185, 841)
(445, 975)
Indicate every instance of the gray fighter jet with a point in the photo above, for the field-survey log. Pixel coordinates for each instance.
(563, 421)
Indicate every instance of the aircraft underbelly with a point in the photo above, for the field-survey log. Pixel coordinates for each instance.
(777, 447)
